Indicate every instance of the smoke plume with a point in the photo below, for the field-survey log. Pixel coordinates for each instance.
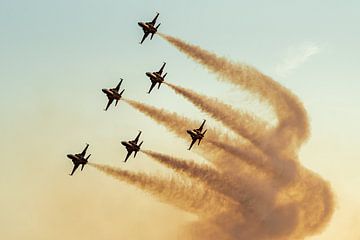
(254, 186)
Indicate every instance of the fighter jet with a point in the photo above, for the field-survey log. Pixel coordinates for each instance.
(113, 94)
(149, 27)
(197, 134)
(79, 159)
(156, 78)
(131, 146)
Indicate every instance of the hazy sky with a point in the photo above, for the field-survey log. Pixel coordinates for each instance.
(55, 56)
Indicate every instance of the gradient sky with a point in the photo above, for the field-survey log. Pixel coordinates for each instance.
(55, 56)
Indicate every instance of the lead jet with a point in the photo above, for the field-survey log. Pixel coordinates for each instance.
(197, 134)
(149, 27)
(156, 78)
(131, 146)
(79, 159)
(113, 94)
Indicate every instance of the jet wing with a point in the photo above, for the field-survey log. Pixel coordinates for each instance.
(76, 165)
(137, 137)
(202, 126)
(144, 37)
(118, 86)
(153, 22)
(84, 151)
(128, 155)
(153, 83)
(161, 69)
(192, 142)
(109, 103)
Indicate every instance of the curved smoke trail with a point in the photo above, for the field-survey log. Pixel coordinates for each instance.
(256, 178)
(242, 123)
(293, 123)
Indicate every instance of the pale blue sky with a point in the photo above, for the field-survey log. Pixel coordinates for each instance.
(55, 56)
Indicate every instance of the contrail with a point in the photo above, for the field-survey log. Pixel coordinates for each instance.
(280, 170)
(246, 193)
(242, 123)
(253, 211)
(190, 198)
(293, 127)
(176, 124)
(216, 146)
(289, 110)
(179, 124)
(263, 191)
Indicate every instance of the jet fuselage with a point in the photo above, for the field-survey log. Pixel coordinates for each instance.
(147, 27)
(154, 76)
(130, 145)
(113, 94)
(77, 159)
(196, 133)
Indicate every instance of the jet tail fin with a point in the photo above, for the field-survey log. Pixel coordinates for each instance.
(203, 136)
(139, 149)
(140, 144)
(152, 35)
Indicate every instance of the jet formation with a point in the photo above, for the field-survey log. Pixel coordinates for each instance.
(113, 94)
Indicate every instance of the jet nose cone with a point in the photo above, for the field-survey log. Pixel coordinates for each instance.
(123, 143)
(103, 90)
(140, 24)
(69, 156)
(148, 74)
